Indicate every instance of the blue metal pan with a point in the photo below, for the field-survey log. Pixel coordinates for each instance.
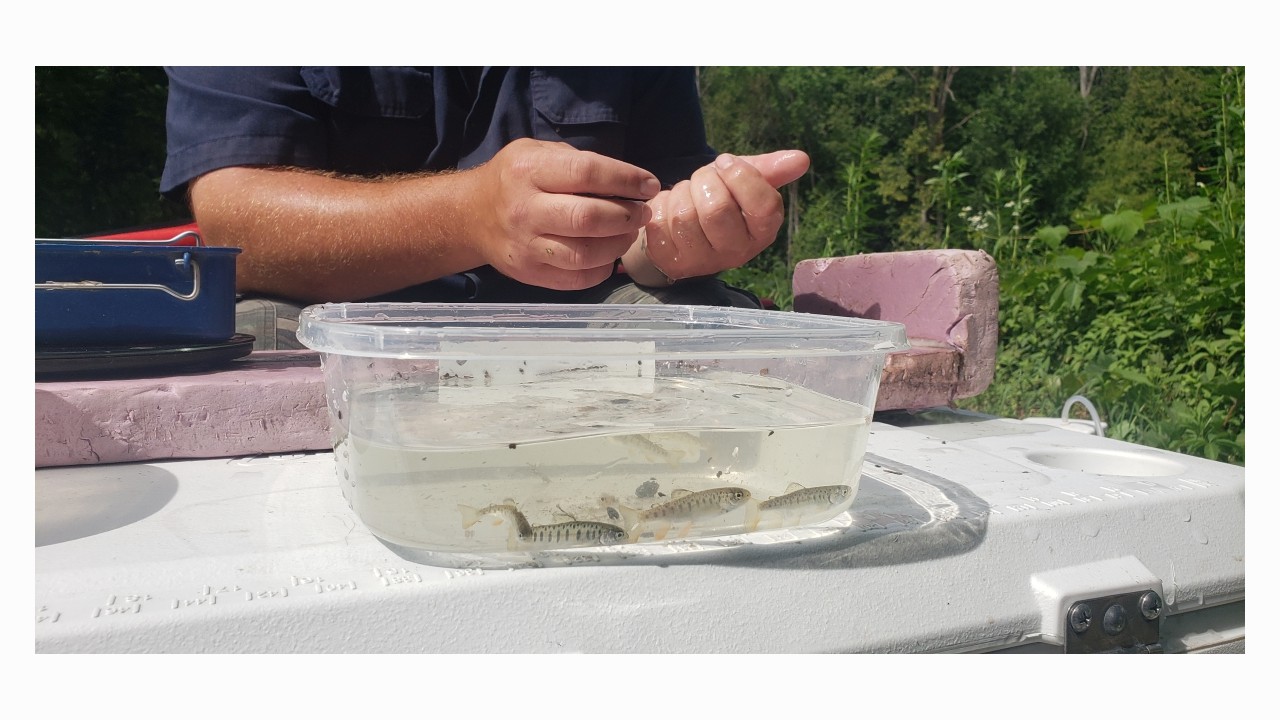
(96, 293)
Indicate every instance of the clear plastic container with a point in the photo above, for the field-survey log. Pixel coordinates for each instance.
(480, 435)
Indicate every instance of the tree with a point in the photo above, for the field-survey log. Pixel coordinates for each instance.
(99, 149)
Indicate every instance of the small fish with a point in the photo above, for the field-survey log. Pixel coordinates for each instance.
(684, 508)
(799, 503)
(499, 513)
(672, 448)
(577, 533)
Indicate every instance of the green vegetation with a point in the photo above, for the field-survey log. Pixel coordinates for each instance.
(1111, 198)
(99, 150)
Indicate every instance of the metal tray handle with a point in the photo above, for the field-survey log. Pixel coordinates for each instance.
(185, 260)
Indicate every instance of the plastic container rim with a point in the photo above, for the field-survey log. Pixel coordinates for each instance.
(423, 330)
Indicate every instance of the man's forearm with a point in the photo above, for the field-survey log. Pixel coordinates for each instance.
(316, 237)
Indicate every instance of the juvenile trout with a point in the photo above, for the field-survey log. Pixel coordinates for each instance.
(684, 508)
(499, 513)
(799, 503)
(577, 533)
(523, 536)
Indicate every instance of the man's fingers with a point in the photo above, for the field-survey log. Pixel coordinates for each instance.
(760, 204)
(585, 217)
(560, 168)
(721, 217)
(660, 246)
(780, 167)
(687, 239)
(570, 253)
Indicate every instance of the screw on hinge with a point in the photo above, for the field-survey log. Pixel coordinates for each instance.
(1150, 605)
(1080, 616)
(1114, 620)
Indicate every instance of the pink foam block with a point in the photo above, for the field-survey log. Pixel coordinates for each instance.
(947, 299)
(270, 401)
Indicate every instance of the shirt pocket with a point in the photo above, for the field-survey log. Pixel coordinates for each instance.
(586, 107)
(385, 92)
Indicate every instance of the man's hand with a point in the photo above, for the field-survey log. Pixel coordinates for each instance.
(720, 218)
(556, 217)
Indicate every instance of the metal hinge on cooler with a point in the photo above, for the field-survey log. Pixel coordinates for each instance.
(1125, 623)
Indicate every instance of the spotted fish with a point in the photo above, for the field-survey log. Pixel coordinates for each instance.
(798, 504)
(685, 508)
(576, 533)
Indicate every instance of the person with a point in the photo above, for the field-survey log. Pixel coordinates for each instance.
(464, 184)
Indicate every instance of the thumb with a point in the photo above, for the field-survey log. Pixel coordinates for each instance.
(780, 167)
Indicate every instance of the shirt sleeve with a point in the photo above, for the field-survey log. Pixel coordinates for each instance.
(223, 116)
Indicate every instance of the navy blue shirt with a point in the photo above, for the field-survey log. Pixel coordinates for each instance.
(378, 120)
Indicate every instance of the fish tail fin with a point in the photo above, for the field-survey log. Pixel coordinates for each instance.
(470, 515)
(630, 521)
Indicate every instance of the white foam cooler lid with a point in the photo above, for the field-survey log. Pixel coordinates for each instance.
(971, 535)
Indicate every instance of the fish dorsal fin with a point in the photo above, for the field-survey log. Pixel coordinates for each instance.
(794, 487)
(509, 501)
(680, 493)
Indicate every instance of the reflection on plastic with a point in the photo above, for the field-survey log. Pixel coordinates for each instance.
(72, 505)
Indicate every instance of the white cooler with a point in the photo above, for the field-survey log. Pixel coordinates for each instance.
(968, 534)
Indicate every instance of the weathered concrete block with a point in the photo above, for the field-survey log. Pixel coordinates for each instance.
(948, 300)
